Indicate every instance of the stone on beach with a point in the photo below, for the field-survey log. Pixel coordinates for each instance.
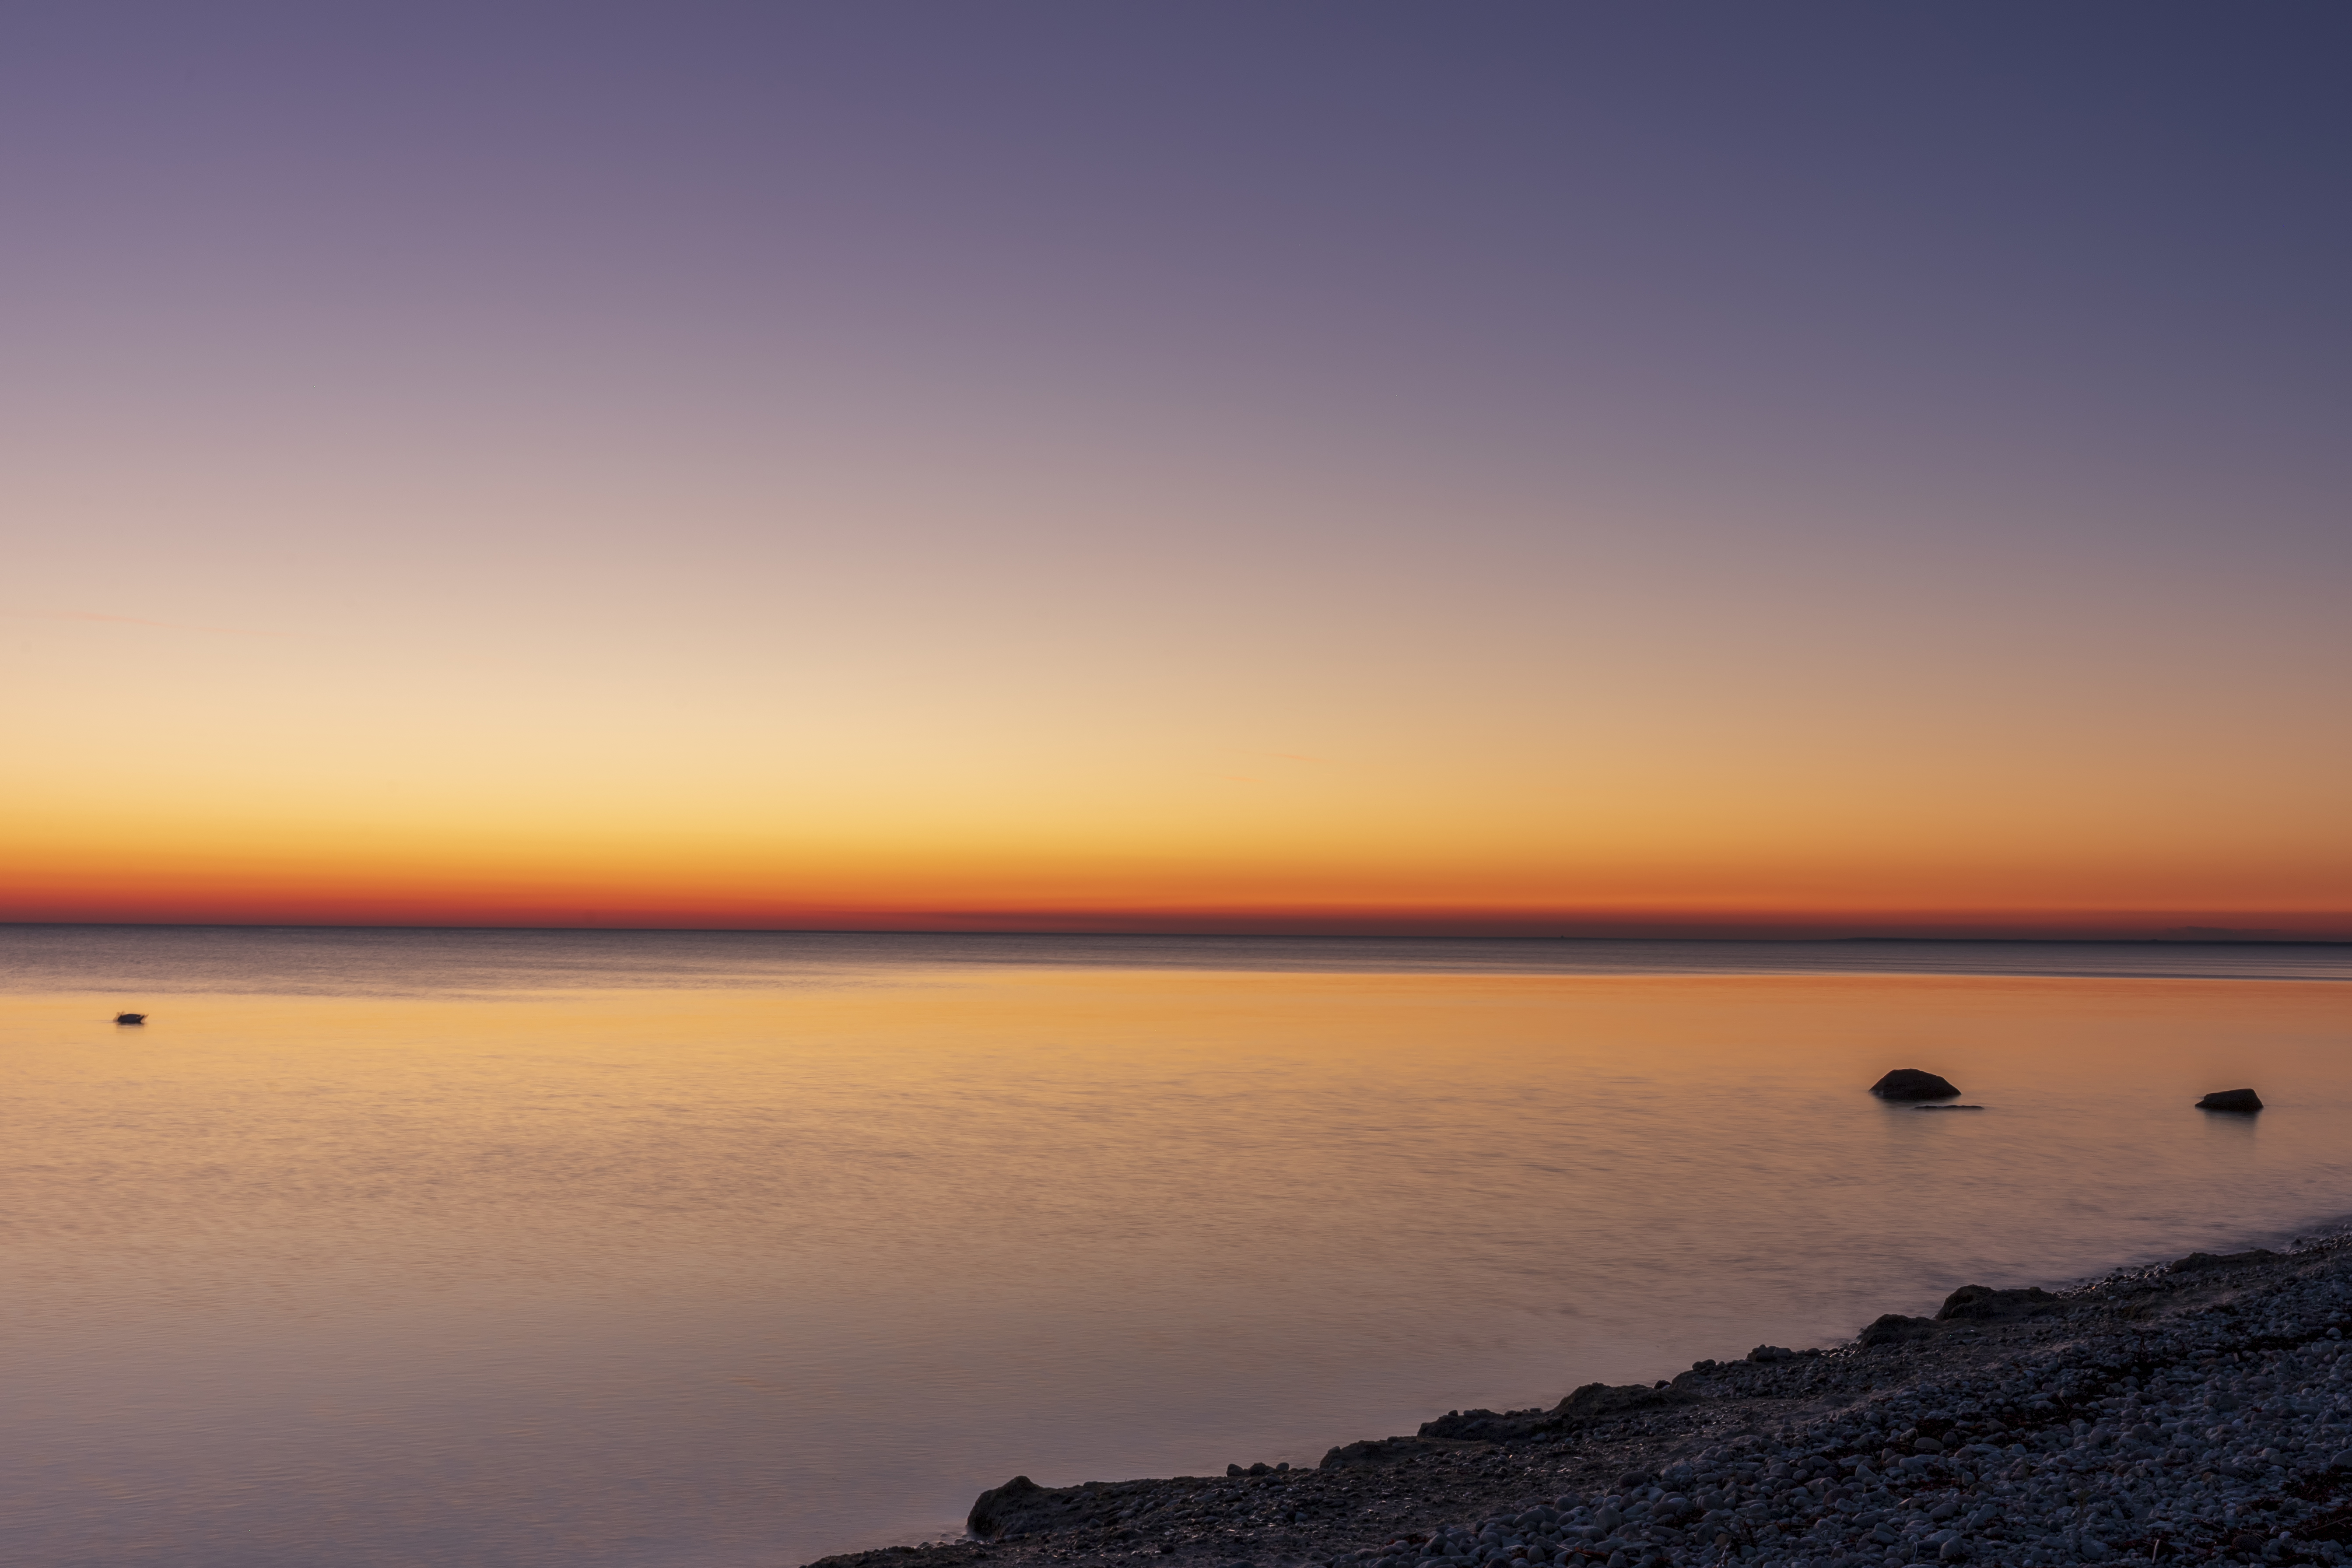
(1893, 1328)
(1595, 1400)
(2231, 1100)
(994, 1511)
(2200, 1261)
(1910, 1083)
(1981, 1303)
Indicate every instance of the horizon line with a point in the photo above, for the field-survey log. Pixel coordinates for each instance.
(2205, 937)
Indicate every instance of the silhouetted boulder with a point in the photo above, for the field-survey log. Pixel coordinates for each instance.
(2231, 1100)
(1981, 1303)
(996, 1508)
(1393, 1450)
(1893, 1328)
(1910, 1083)
(1596, 1400)
(135, 1018)
(2197, 1261)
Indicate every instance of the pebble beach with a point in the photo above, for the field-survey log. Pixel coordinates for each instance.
(2197, 1410)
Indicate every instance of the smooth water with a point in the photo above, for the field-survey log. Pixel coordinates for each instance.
(600, 1249)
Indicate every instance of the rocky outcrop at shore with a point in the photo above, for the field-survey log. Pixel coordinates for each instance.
(2196, 1411)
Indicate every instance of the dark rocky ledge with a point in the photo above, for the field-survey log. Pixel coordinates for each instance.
(2197, 1410)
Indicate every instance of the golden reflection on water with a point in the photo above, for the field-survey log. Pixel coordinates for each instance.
(738, 1277)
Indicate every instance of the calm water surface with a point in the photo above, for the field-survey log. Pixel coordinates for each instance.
(588, 1249)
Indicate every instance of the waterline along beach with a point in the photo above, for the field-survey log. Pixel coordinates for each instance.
(2197, 1411)
(775, 1246)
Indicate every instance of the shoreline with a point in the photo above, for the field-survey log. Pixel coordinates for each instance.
(2199, 1410)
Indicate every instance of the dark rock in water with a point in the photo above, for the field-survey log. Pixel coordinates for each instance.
(2199, 1261)
(994, 1510)
(1981, 1303)
(1893, 1328)
(2232, 1099)
(1910, 1083)
(1771, 1353)
(142, 1017)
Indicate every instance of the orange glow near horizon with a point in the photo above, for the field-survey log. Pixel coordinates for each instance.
(200, 875)
(319, 779)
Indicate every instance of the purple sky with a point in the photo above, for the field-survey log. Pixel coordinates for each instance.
(1955, 377)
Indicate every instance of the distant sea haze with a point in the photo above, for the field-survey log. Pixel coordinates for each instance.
(528, 1247)
(341, 960)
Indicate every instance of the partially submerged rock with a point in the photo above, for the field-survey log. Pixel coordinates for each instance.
(2231, 1100)
(130, 1018)
(1910, 1083)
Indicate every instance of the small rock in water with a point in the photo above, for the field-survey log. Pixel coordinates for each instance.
(130, 1018)
(2231, 1100)
(1910, 1083)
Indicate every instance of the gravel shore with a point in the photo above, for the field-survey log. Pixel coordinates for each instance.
(2199, 1410)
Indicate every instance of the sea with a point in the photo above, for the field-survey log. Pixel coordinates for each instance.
(617, 1249)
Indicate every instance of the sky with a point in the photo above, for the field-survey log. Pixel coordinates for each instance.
(1503, 467)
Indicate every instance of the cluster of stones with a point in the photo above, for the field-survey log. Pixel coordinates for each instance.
(2224, 1434)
